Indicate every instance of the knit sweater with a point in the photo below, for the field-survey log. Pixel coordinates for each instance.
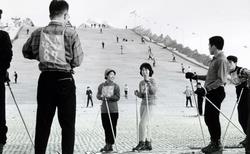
(111, 92)
(151, 91)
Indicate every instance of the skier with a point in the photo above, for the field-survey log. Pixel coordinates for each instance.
(103, 45)
(147, 92)
(109, 93)
(126, 90)
(173, 58)
(215, 80)
(15, 76)
(89, 96)
(240, 81)
(150, 54)
(117, 39)
(182, 68)
(58, 50)
(200, 91)
(121, 49)
(188, 94)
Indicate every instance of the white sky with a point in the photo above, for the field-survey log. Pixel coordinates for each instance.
(228, 18)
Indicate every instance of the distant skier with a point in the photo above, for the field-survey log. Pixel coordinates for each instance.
(200, 91)
(147, 92)
(103, 45)
(173, 59)
(142, 40)
(150, 54)
(89, 96)
(15, 76)
(117, 39)
(126, 90)
(188, 92)
(182, 68)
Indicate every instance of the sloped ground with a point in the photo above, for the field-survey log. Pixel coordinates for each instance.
(175, 128)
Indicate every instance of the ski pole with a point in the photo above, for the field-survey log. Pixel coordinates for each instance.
(196, 105)
(111, 124)
(147, 106)
(237, 102)
(137, 125)
(224, 115)
(26, 128)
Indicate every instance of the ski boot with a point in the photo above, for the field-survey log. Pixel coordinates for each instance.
(107, 148)
(148, 145)
(213, 146)
(140, 146)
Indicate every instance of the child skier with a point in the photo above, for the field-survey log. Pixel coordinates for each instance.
(147, 91)
(109, 93)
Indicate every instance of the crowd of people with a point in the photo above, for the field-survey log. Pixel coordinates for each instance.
(57, 91)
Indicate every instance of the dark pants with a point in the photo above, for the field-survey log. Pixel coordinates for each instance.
(109, 139)
(190, 100)
(211, 116)
(200, 102)
(126, 94)
(247, 148)
(248, 126)
(89, 98)
(243, 107)
(55, 90)
(3, 127)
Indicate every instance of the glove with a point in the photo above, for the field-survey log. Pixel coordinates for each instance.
(190, 75)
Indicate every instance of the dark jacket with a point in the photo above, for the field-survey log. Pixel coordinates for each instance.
(5, 51)
(200, 93)
(89, 93)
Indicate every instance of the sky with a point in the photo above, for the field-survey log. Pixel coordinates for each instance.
(190, 22)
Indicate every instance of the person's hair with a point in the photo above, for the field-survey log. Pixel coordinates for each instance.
(1, 11)
(147, 66)
(217, 41)
(232, 58)
(57, 7)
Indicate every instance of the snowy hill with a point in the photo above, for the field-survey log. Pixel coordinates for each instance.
(171, 117)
